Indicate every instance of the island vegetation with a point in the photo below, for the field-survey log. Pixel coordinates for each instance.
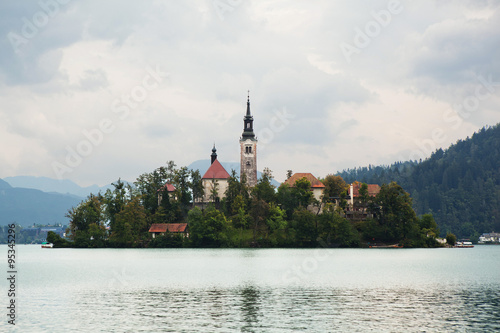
(262, 216)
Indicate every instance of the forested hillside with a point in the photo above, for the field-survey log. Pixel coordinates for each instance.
(459, 186)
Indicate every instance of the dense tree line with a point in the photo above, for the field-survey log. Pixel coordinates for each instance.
(459, 186)
(262, 216)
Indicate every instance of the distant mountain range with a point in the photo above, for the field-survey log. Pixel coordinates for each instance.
(26, 200)
(46, 184)
(26, 206)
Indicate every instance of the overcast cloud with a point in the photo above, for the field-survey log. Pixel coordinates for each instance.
(95, 90)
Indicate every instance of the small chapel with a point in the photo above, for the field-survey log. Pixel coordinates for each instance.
(215, 179)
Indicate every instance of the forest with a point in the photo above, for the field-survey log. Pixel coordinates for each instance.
(262, 216)
(459, 186)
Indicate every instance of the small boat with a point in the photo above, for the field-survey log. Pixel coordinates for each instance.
(464, 244)
(46, 245)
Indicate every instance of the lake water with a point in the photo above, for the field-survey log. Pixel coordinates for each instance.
(255, 290)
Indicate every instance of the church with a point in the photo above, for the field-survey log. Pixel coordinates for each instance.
(215, 180)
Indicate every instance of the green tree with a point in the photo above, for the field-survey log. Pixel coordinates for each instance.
(395, 214)
(287, 200)
(305, 225)
(56, 240)
(114, 201)
(302, 191)
(86, 227)
(182, 188)
(131, 225)
(334, 187)
(259, 212)
(209, 228)
(451, 239)
(196, 185)
(264, 190)
(148, 184)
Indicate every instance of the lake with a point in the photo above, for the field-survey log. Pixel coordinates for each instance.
(255, 290)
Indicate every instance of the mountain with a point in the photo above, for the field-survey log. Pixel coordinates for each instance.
(460, 186)
(4, 185)
(27, 206)
(203, 166)
(46, 184)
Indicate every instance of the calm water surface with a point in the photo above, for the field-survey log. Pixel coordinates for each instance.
(256, 290)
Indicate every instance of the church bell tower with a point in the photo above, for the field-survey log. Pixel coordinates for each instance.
(248, 149)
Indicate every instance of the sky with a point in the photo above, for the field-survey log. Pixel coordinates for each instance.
(95, 90)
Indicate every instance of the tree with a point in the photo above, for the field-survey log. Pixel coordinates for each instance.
(395, 214)
(114, 201)
(182, 188)
(56, 240)
(232, 192)
(302, 191)
(209, 228)
(148, 184)
(214, 191)
(286, 199)
(451, 239)
(86, 226)
(196, 186)
(334, 187)
(304, 224)
(264, 190)
(131, 225)
(259, 211)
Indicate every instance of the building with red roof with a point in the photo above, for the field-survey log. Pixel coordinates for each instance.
(217, 178)
(317, 186)
(169, 189)
(158, 229)
(357, 209)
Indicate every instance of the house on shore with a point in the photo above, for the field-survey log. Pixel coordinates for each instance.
(159, 229)
(489, 238)
(357, 209)
(317, 186)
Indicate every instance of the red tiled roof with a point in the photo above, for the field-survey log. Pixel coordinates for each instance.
(373, 189)
(315, 183)
(169, 187)
(170, 227)
(216, 171)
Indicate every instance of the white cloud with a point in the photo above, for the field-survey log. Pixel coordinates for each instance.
(378, 108)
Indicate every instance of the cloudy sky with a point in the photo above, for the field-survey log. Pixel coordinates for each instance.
(95, 90)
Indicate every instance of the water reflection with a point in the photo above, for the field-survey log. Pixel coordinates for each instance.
(250, 308)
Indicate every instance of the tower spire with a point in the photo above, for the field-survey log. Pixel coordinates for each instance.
(214, 154)
(248, 105)
(248, 122)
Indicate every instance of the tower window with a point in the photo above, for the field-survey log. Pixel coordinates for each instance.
(248, 149)
(248, 125)
(248, 163)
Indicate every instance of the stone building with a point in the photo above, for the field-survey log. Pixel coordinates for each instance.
(215, 180)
